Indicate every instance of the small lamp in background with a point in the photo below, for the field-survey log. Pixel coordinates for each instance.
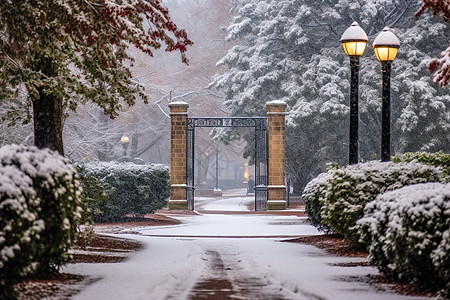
(125, 142)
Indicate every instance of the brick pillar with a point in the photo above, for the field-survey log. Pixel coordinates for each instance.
(178, 139)
(276, 189)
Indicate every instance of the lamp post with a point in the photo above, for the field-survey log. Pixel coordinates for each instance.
(354, 40)
(125, 141)
(217, 168)
(217, 190)
(386, 47)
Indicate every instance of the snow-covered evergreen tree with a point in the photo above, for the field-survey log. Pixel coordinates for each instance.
(290, 50)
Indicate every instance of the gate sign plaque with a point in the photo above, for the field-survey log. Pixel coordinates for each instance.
(227, 122)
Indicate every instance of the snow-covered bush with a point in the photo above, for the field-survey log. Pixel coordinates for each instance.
(438, 159)
(132, 189)
(314, 197)
(408, 234)
(92, 198)
(39, 209)
(342, 194)
(19, 226)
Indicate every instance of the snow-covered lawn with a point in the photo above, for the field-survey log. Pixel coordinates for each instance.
(242, 249)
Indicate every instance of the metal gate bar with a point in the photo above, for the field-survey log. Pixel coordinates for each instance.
(190, 165)
(261, 153)
(261, 165)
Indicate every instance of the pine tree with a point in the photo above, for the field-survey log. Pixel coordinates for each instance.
(290, 50)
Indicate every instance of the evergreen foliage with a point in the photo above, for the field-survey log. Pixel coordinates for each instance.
(92, 198)
(131, 189)
(438, 159)
(290, 50)
(40, 207)
(337, 199)
(407, 232)
(314, 196)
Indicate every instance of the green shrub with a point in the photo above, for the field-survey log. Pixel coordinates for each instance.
(343, 193)
(438, 159)
(93, 197)
(19, 228)
(408, 234)
(39, 209)
(132, 189)
(314, 197)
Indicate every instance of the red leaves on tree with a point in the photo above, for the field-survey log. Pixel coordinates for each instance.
(439, 66)
(439, 7)
(92, 37)
(122, 22)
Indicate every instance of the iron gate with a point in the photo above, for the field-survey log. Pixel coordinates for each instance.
(261, 153)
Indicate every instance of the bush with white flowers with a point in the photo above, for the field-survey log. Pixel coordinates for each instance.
(131, 189)
(39, 210)
(338, 198)
(407, 232)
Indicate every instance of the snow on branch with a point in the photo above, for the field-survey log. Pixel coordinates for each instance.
(439, 66)
(439, 7)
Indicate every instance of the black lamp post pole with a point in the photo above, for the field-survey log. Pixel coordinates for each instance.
(217, 167)
(354, 114)
(125, 148)
(386, 112)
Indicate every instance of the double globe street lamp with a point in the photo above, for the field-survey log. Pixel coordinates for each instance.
(386, 44)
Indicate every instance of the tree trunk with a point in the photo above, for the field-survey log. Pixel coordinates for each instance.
(48, 122)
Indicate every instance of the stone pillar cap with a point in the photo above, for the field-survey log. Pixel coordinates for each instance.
(276, 103)
(178, 104)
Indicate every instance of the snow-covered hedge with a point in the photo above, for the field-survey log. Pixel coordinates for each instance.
(132, 189)
(337, 199)
(39, 210)
(92, 198)
(438, 159)
(314, 197)
(408, 234)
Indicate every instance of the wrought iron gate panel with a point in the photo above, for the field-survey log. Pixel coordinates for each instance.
(261, 164)
(261, 153)
(190, 142)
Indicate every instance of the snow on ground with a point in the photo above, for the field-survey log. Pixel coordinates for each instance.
(232, 201)
(234, 226)
(165, 269)
(248, 252)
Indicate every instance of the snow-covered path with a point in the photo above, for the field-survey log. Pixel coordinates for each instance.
(242, 256)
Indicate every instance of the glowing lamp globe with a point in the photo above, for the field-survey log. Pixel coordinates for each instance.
(125, 139)
(386, 45)
(354, 40)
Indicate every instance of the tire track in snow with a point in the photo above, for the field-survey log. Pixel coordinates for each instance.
(217, 284)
